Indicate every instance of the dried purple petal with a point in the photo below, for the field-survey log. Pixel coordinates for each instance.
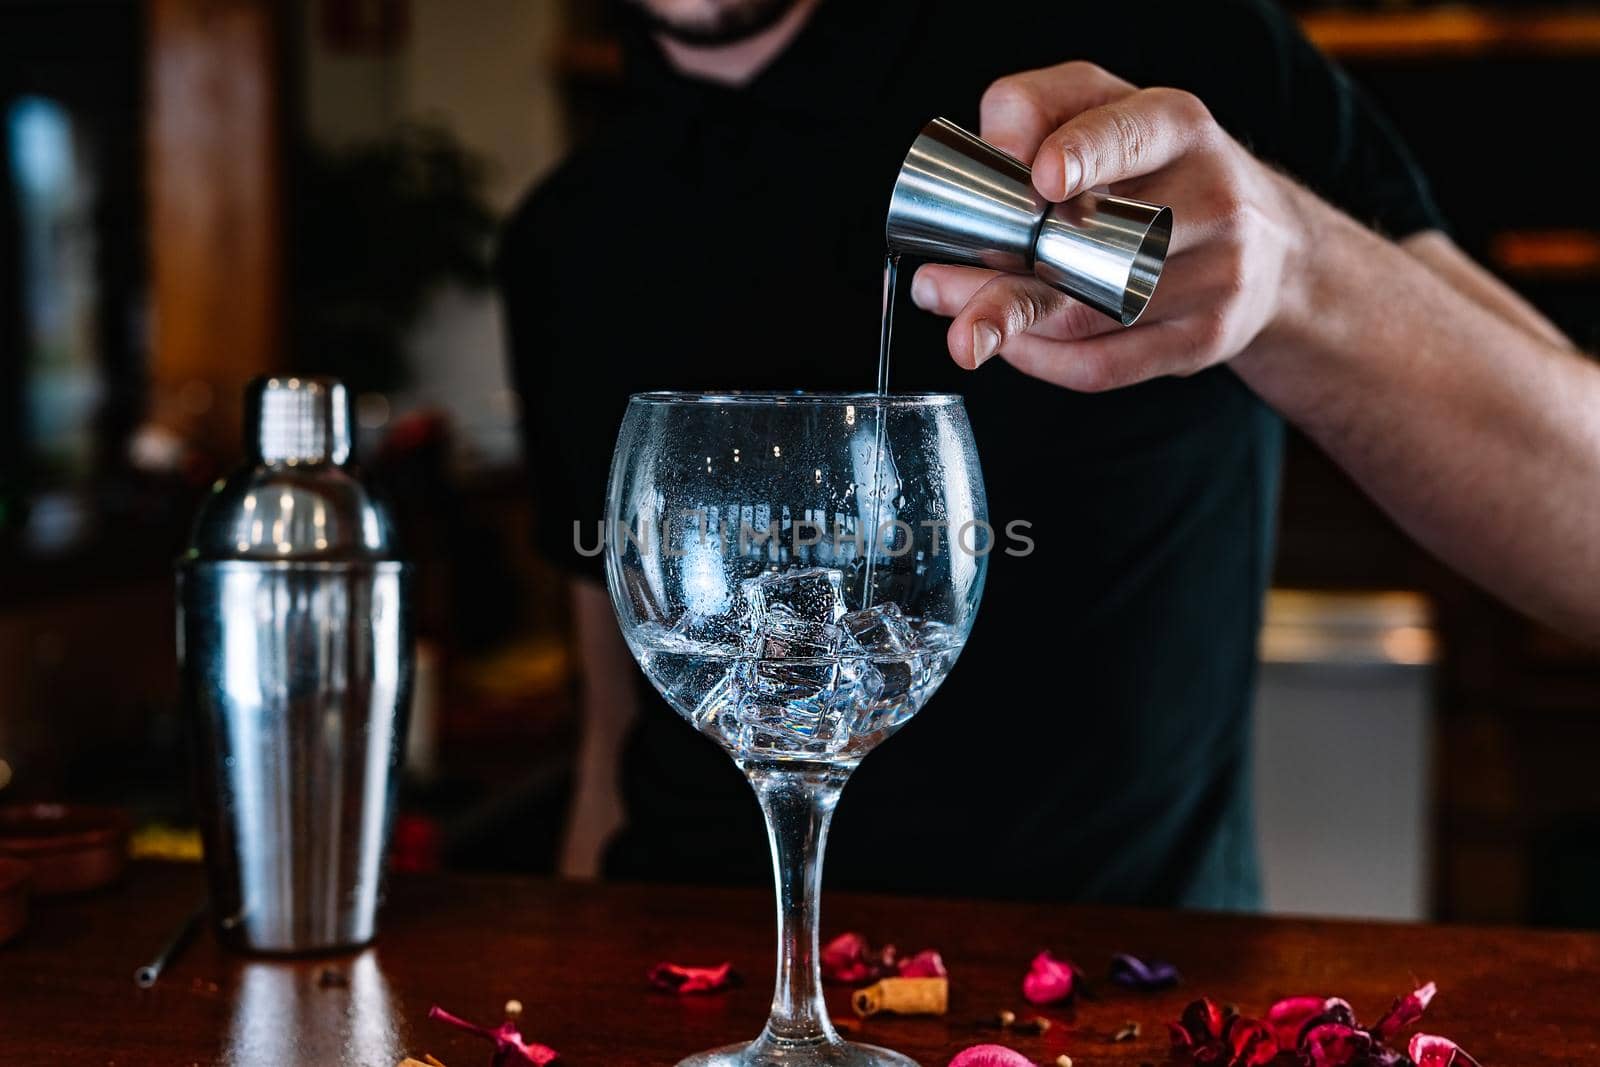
(1131, 972)
(511, 1050)
(1404, 1011)
(990, 1056)
(1431, 1050)
(1049, 980)
(675, 978)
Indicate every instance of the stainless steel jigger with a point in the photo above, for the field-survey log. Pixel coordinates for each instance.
(959, 199)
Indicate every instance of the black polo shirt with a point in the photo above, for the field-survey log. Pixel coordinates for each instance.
(1093, 740)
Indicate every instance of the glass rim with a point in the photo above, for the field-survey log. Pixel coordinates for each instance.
(794, 397)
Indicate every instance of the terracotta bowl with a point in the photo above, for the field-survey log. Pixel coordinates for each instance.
(13, 898)
(70, 848)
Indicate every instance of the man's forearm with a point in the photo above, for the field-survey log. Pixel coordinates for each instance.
(607, 708)
(1440, 255)
(1481, 438)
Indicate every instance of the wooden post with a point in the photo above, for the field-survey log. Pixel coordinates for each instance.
(216, 186)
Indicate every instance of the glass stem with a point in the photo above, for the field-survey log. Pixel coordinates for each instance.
(798, 805)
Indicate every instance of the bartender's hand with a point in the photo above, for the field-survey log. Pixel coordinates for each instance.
(1230, 269)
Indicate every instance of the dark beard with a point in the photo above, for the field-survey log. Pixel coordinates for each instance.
(734, 25)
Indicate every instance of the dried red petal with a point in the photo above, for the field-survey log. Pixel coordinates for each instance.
(1315, 1032)
(989, 1056)
(925, 964)
(1431, 1050)
(1334, 1045)
(1404, 1011)
(675, 978)
(1288, 1017)
(1250, 1042)
(1049, 980)
(851, 958)
(1203, 1021)
(510, 1048)
(1338, 1010)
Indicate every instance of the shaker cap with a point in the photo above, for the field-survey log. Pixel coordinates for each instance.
(297, 498)
(298, 420)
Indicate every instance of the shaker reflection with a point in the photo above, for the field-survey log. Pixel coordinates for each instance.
(278, 1003)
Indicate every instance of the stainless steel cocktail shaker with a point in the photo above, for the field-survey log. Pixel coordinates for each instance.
(959, 199)
(294, 631)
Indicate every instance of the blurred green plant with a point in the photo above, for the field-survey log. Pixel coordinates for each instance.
(378, 226)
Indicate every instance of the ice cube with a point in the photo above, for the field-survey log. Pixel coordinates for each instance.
(799, 694)
(886, 637)
(775, 735)
(859, 685)
(815, 594)
(722, 633)
(718, 710)
(879, 630)
(934, 636)
(784, 708)
(784, 637)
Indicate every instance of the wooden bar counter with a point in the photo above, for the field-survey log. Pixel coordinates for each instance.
(576, 957)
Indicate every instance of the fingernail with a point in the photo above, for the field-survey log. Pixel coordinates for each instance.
(923, 293)
(1071, 172)
(985, 339)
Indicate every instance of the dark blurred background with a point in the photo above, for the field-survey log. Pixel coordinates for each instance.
(194, 192)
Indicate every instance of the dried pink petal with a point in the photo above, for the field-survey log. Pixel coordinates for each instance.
(851, 958)
(990, 1056)
(1049, 980)
(925, 964)
(1288, 1017)
(1404, 1011)
(1334, 1045)
(675, 978)
(1431, 1050)
(510, 1048)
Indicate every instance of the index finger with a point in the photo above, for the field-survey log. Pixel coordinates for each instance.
(1019, 111)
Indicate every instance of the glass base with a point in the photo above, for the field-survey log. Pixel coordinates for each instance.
(773, 1054)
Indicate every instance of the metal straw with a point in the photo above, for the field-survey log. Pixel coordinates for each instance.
(146, 976)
